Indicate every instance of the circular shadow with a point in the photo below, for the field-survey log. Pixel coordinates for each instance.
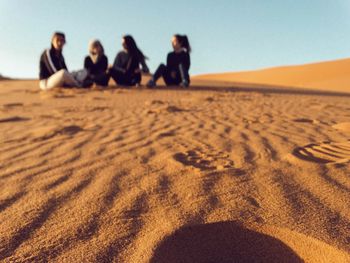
(223, 242)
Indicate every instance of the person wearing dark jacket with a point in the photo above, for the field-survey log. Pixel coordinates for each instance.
(176, 70)
(128, 64)
(53, 71)
(96, 64)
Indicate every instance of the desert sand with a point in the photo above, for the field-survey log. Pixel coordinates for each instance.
(327, 76)
(212, 173)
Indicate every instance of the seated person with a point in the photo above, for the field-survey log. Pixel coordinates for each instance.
(126, 69)
(96, 64)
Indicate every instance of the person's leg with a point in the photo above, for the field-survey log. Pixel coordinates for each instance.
(102, 79)
(59, 79)
(159, 72)
(136, 79)
(162, 71)
(69, 80)
(80, 76)
(55, 80)
(42, 84)
(119, 78)
(171, 78)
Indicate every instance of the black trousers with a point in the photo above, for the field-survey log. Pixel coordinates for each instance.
(171, 77)
(125, 79)
(101, 79)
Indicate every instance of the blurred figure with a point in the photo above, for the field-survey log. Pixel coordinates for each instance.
(96, 64)
(128, 64)
(53, 70)
(176, 70)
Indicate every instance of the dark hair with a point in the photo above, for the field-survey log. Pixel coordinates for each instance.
(183, 40)
(58, 34)
(132, 47)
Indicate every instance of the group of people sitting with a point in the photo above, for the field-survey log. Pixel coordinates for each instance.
(126, 70)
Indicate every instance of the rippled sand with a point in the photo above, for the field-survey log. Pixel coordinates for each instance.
(205, 174)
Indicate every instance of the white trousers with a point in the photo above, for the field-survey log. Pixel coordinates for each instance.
(63, 78)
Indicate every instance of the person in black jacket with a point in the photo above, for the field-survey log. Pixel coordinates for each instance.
(53, 71)
(126, 69)
(176, 70)
(96, 64)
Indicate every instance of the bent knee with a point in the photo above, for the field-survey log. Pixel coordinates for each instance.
(62, 72)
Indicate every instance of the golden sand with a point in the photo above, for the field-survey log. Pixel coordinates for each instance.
(204, 174)
(328, 76)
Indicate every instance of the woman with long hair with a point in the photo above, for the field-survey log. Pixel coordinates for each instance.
(128, 64)
(176, 70)
(96, 64)
(53, 71)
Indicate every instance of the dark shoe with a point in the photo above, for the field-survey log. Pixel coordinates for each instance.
(184, 84)
(151, 84)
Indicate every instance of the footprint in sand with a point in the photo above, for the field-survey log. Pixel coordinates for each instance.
(204, 162)
(327, 152)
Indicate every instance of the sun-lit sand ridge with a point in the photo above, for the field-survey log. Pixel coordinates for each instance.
(207, 174)
(329, 76)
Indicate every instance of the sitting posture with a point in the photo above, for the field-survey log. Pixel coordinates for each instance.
(96, 64)
(176, 70)
(53, 70)
(128, 64)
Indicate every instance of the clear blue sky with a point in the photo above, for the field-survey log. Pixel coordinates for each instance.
(226, 35)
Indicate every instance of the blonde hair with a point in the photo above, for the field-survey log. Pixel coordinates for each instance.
(96, 43)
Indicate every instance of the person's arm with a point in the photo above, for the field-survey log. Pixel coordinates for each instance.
(47, 68)
(87, 63)
(64, 66)
(43, 72)
(118, 63)
(184, 67)
(132, 65)
(168, 59)
(187, 61)
(145, 68)
(104, 63)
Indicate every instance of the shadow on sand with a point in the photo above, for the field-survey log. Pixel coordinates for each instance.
(223, 242)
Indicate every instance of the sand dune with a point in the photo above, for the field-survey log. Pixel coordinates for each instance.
(329, 76)
(3, 77)
(205, 174)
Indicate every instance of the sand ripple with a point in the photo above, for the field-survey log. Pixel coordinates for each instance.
(195, 175)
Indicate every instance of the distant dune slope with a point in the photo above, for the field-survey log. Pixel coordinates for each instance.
(331, 75)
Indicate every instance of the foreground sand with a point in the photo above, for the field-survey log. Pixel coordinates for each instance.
(199, 175)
